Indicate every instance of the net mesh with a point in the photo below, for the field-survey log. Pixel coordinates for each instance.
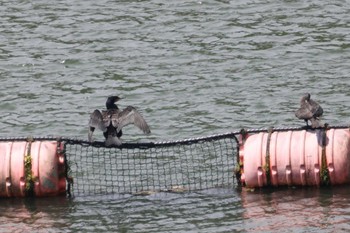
(144, 168)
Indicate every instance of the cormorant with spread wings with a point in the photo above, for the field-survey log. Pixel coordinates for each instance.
(112, 120)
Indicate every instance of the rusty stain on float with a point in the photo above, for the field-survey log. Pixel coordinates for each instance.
(296, 158)
(46, 174)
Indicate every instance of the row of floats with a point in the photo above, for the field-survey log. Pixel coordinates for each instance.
(273, 158)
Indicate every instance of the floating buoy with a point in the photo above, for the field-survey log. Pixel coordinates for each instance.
(296, 158)
(32, 169)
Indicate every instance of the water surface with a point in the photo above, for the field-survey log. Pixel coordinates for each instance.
(193, 68)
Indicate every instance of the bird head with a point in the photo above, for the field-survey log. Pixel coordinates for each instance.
(308, 96)
(305, 97)
(111, 100)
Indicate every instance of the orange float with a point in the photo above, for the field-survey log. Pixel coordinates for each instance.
(296, 158)
(32, 169)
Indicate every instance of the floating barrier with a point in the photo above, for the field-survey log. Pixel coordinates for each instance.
(32, 169)
(47, 166)
(296, 158)
(54, 166)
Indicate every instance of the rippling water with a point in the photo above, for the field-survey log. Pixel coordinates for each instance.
(193, 68)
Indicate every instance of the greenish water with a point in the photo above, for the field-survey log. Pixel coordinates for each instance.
(192, 68)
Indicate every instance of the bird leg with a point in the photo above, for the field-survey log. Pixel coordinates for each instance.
(307, 126)
(91, 131)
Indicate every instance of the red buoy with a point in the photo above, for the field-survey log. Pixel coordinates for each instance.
(296, 158)
(32, 169)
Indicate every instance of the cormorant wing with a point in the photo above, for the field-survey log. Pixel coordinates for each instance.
(130, 116)
(97, 121)
(315, 108)
(304, 113)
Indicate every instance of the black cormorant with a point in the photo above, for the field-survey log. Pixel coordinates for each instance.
(112, 120)
(309, 110)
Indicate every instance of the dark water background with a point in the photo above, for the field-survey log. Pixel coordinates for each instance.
(192, 68)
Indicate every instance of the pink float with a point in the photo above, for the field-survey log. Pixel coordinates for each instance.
(295, 158)
(32, 169)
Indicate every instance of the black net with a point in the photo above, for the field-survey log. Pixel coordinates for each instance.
(151, 167)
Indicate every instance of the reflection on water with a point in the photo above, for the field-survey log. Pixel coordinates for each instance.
(297, 210)
(34, 215)
(214, 210)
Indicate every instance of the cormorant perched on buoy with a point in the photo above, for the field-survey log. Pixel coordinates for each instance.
(309, 110)
(112, 120)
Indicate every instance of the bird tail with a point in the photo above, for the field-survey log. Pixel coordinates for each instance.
(113, 141)
(315, 123)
